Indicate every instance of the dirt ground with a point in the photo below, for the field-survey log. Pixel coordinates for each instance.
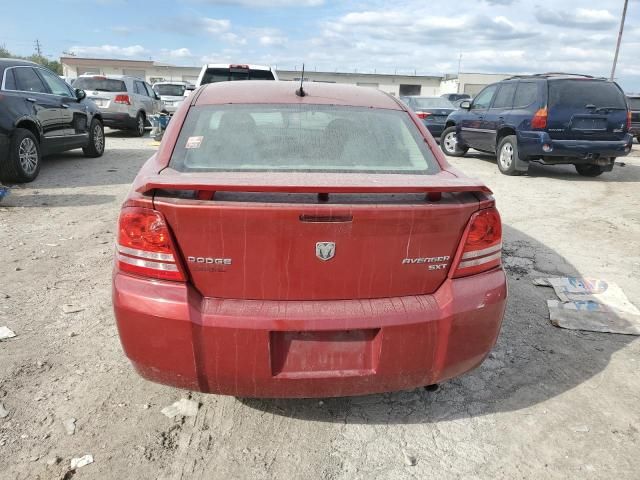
(548, 403)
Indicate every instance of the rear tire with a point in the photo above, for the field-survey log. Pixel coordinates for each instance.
(589, 170)
(95, 147)
(22, 164)
(449, 143)
(507, 154)
(140, 123)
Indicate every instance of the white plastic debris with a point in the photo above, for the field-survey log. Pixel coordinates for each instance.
(81, 461)
(69, 308)
(409, 460)
(4, 413)
(70, 426)
(6, 333)
(183, 407)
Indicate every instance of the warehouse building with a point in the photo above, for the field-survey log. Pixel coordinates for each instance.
(397, 85)
(151, 71)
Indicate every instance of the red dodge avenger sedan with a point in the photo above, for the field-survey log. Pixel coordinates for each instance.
(305, 244)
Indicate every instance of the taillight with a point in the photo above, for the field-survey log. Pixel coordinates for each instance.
(144, 245)
(423, 115)
(539, 120)
(122, 99)
(628, 120)
(482, 239)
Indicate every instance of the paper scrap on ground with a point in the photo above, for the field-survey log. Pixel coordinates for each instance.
(591, 304)
(6, 333)
(81, 461)
(4, 413)
(184, 407)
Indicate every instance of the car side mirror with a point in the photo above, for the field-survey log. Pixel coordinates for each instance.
(466, 105)
(157, 97)
(80, 94)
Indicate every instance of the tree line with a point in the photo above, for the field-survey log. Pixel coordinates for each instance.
(40, 59)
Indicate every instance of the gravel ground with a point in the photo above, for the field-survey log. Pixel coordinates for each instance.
(548, 403)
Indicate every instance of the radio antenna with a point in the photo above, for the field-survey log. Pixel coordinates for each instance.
(300, 92)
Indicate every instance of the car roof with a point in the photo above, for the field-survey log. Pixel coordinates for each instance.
(110, 76)
(229, 65)
(554, 76)
(177, 82)
(270, 92)
(12, 62)
(422, 96)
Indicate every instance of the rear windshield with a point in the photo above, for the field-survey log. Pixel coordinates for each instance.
(213, 75)
(580, 93)
(100, 84)
(634, 104)
(173, 90)
(432, 103)
(302, 138)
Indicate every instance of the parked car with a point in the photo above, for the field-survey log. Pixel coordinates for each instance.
(634, 108)
(125, 102)
(549, 118)
(217, 72)
(281, 245)
(189, 89)
(452, 97)
(433, 111)
(40, 114)
(171, 94)
(457, 103)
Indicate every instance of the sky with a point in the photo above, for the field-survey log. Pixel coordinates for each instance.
(403, 36)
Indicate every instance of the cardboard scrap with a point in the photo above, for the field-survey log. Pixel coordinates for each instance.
(591, 304)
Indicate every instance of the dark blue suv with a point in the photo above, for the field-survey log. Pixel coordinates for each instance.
(549, 118)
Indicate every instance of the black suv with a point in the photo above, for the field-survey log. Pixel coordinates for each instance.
(634, 106)
(40, 114)
(551, 118)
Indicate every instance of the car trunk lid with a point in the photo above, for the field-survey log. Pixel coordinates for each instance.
(315, 236)
(586, 109)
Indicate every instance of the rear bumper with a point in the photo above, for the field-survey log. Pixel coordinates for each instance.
(577, 151)
(118, 120)
(248, 348)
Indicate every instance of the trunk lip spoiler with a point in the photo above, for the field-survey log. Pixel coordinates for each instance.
(254, 182)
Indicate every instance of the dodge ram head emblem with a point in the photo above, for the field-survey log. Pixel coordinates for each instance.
(325, 250)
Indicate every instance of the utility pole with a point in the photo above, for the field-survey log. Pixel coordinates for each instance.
(615, 58)
(38, 48)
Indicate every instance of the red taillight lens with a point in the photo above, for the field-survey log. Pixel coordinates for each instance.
(628, 120)
(539, 120)
(482, 249)
(423, 115)
(144, 245)
(122, 99)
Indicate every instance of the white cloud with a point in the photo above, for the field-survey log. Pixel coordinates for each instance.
(109, 51)
(214, 25)
(180, 53)
(580, 17)
(268, 3)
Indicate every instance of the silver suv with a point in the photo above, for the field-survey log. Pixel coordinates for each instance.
(124, 102)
